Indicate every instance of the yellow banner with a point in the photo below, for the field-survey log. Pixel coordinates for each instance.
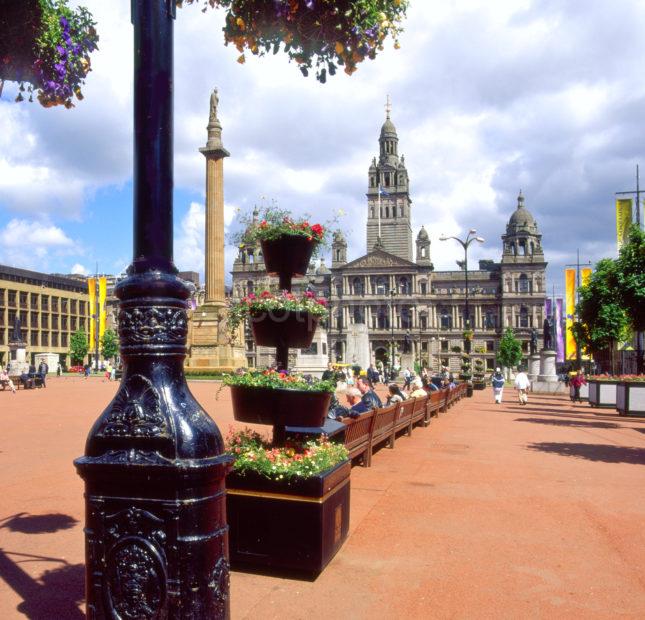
(570, 310)
(91, 288)
(623, 220)
(585, 274)
(102, 308)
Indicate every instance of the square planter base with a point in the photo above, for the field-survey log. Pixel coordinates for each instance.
(296, 527)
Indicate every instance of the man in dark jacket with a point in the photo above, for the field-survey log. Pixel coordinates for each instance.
(369, 396)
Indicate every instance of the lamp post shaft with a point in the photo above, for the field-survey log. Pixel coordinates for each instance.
(156, 537)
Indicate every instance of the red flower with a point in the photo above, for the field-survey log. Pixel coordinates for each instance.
(265, 294)
(322, 301)
(317, 230)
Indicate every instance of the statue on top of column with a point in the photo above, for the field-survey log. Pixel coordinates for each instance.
(214, 103)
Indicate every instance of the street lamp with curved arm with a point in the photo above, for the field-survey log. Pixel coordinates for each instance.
(465, 243)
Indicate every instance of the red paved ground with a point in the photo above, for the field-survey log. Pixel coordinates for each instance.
(491, 512)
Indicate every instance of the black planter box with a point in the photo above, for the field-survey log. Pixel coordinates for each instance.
(284, 327)
(257, 405)
(287, 526)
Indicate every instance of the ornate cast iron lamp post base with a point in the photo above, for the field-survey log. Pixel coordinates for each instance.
(156, 533)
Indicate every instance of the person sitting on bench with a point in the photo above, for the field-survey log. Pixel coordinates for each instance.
(6, 380)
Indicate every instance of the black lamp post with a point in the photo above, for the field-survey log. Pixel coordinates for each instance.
(156, 537)
(465, 243)
(392, 295)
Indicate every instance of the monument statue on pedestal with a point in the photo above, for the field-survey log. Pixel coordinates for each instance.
(548, 334)
(213, 108)
(534, 341)
(16, 334)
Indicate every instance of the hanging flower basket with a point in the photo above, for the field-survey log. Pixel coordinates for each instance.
(316, 34)
(284, 327)
(278, 398)
(288, 254)
(279, 312)
(45, 46)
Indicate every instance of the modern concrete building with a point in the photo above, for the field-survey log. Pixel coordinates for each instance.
(50, 307)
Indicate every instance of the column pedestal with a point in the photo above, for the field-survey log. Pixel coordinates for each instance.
(547, 380)
(534, 367)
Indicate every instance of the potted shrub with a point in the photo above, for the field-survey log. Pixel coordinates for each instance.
(280, 319)
(602, 391)
(287, 508)
(279, 398)
(466, 374)
(478, 375)
(45, 47)
(319, 35)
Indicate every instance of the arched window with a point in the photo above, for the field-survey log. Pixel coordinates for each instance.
(523, 283)
(423, 287)
(381, 286)
(524, 317)
(358, 286)
(358, 314)
(405, 287)
(490, 319)
(338, 254)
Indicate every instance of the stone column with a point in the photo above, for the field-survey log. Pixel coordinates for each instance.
(214, 152)
(534, 366)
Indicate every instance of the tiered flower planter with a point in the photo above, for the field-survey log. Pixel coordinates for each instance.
(602, 393)
(295, 525)
(630, 398)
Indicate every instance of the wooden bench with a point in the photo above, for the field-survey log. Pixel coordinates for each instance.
(404, 418)
(358, 436)
(419, 410)
(434, 403)
(382, 427)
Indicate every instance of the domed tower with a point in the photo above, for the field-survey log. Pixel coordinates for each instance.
(388, 198)
(522, 241)
(338, 250)
(423, 248)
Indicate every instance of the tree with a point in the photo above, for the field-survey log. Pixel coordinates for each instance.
(510, 349)
(630, 279)
(603, 320)
(109, 344)
(78, 346)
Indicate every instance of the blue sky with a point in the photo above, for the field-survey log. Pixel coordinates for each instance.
(488, 97)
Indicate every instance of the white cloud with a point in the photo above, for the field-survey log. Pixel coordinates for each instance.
(189, 244)
(30, 244)
(79, 269)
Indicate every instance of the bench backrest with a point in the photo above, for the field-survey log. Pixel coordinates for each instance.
(405, 411)
(384, 419)
(359, 429)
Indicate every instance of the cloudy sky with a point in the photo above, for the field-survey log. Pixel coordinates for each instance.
(489, 96)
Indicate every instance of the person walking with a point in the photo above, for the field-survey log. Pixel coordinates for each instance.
(577, 382)
(497, 381)
(522, 384)
(43, 369)
(407, 376)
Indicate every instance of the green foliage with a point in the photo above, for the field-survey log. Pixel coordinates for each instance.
(510, 350)
(109, 344)
(278, 380)
(295, 460)
(601, 317)
(630, 278)
(78, 346)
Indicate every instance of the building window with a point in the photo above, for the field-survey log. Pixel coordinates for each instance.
(54, 339)
(490, 346)
(81, 308)
(524, 317)
(34, 338)
(490, 363)
(423, 321)
(490, 319)
(44, 339)
(445, 319)
(358, 313)
(63, 340)
(381, 286)
(383, 319)
(406, 318)
(339, 289)
(73, 323)
(405, 286)
(444, 346)
(34, 319)
(358, 286)
(423, 288)
(55, 304)
(523, 283)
